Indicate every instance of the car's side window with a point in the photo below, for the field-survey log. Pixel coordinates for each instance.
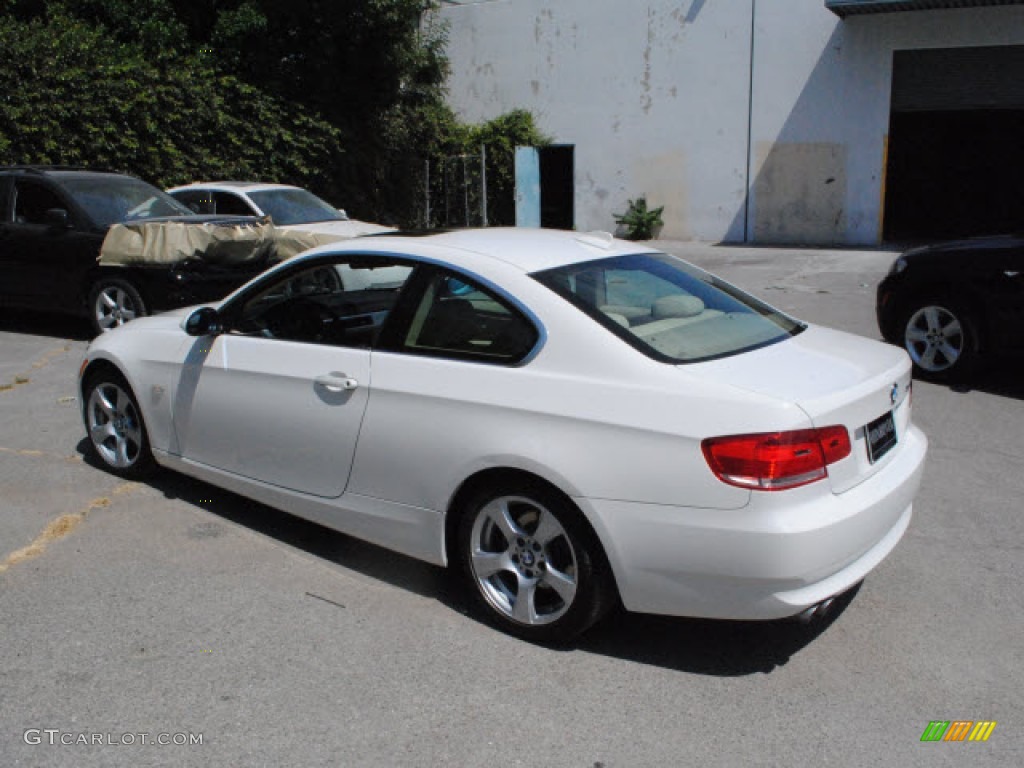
(197, 201)
(32, 201)
(228, 204)
(456, 318)
(341, 302)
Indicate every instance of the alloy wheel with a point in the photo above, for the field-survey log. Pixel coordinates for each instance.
(114, 306)
(114, 426)
(935, 339)
(523, 560)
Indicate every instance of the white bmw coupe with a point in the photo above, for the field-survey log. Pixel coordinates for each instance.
(569, 419)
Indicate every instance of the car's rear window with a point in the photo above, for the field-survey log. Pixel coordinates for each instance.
(669, 309)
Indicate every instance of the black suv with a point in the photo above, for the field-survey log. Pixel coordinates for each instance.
(53, 221)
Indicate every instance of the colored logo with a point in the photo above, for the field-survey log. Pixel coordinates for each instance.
(958, 730)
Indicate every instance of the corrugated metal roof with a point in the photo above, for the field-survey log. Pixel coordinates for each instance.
(844, 8)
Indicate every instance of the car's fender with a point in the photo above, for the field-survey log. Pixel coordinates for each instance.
(148, 361)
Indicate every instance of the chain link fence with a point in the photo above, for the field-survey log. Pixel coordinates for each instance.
(455, 191)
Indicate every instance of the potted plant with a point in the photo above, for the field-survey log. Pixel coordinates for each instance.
(640, 222)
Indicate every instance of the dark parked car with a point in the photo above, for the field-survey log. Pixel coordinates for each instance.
(52, 224)
(952, 304)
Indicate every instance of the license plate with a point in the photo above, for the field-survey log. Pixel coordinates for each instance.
(881, 434)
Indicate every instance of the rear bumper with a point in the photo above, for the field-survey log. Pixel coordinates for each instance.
(779, 555)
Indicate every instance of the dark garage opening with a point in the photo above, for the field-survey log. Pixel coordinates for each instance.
(956, 144)
(955, 174)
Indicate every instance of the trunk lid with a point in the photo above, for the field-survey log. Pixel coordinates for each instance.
(835, 378)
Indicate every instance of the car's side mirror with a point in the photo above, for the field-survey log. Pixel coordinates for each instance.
(205, 321)
(56, 218)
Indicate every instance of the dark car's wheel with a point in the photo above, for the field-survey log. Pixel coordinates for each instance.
(535, 568)
(114, 424)
(113, 302)
(942, 339)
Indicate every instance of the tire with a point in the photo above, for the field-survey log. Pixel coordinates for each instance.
(534, 567)
(114, 425)
(941, 337)
(113, 302)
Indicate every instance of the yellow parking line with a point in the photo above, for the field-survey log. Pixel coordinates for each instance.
(73, 457)
(60, 528)
(45, 360)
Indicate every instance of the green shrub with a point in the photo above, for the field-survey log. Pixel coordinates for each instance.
(639, 221)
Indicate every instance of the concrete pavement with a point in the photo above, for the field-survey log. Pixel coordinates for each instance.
(172, 607)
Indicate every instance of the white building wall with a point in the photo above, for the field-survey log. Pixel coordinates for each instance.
(820, 119)
(648, 93)
(656, 97)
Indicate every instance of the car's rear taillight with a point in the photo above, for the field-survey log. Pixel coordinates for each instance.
(775, 461)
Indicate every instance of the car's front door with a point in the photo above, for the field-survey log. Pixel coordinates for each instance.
(48, 258)
(280, 396)
(1001, 276)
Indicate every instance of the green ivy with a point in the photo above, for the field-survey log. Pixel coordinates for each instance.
(67, 100)
(346, 99)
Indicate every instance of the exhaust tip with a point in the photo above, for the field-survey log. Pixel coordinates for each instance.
(816, 612)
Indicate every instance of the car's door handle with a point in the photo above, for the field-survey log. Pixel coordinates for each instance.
(336, 382)
(1010, 272)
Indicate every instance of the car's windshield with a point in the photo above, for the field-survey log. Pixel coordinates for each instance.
(294, 206)
(112, 199)
(669, 309)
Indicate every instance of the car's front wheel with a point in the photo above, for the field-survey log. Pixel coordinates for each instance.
(941, 338)
(114, 302)
(535, 568)
(114, 423)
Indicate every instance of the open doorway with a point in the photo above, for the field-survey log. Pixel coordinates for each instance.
(545, 187)
(557, 188)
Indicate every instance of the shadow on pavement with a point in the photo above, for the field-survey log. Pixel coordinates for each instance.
(696, 646)
(1002, 376)
(708, 647)
(45, 324)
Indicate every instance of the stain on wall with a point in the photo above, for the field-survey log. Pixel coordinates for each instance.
(800, 193)
(662, 179)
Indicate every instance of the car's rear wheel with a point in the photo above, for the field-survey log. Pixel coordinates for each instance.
(113, 421)
(535, 568)
(114, 302)
(941, 338)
